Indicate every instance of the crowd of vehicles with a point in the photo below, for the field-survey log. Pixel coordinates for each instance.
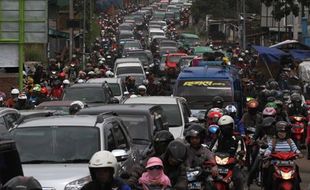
(150, 91)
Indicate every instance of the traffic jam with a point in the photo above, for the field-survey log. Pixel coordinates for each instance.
(156, 107)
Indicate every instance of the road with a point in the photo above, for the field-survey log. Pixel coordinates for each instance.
(304, 167)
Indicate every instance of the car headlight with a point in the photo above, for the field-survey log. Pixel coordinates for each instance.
(221, 161)
(78, 184)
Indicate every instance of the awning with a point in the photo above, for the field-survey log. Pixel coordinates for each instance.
(270, 55)
(57, 34)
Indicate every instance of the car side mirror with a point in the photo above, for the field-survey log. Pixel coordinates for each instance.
(115, 100)
(120, 155)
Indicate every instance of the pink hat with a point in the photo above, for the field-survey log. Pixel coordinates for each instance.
(154, 161)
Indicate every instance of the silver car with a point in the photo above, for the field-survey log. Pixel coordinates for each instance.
(56, 150)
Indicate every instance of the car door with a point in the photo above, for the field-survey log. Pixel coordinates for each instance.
(10, 120)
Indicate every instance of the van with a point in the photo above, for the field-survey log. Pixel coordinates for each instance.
(198, 85)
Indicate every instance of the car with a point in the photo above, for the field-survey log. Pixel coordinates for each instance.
(139, 78)
(170, 16)
(126, 60)
(185, 62)
(128, 69)
(142, 121)
(168, 43)
(167, 50)
(126, 26)
(188, 39)
(162, 23)
(130, 45)
(175, 108)
(145, 57)
(198, 85)
(91, 94)
(117, 85)
(155, 32)
(56, 150)
(8, 117)
(158, 15)
(125, 34)
(172, 61)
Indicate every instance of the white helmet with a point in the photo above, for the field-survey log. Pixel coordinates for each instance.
(103, 159)
(133, 96)
(22, 96)
(80, 81)
(141, 87)
(226, 120)
(66, 81)
(231, 109)
(109, 74)
(1, 98)
(78, 103)
(15, 91)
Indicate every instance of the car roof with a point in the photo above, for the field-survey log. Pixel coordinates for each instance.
(126, 32)
(216, 72)
(188, 35)
(167, 40)
(154, 100)
(85, 85)
(127, 59)
(129, 65)
(56, 103)
(156, 30)
(66, 120)
(102, 80)
(118, 109)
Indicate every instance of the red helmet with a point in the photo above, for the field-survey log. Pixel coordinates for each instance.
(213, 117)
(44, 90)
(62, 75)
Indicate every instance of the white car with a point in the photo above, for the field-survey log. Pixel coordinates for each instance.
(175, 108)
(155, 32)
(129, 68)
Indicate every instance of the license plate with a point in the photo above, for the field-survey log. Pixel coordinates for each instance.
(194, 185)
(223, 170)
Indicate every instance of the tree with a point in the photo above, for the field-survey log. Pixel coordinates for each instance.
(282, 8)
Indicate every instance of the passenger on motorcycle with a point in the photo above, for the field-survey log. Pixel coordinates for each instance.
(142, 90)
(103, 168)
(197, 153)
(296, 107)
(174, 164)
(154, 175)
(282, 114)
(281, 143)
(232, 112)
(228, 142)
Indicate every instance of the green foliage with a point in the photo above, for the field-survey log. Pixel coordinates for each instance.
(283, 8)
(93, 33)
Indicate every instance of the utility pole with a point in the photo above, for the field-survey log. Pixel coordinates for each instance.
(243, 25)
(71, 17)
(84, 36)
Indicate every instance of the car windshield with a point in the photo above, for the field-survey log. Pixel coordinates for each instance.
(137, 126)
(199, 93)
(116, 89)
(88, 95)
(125, 36)
(125, 27)
(168, 44)
(139, 79)
(132, 44)
(191, 41)
(175, 58)
(173, 114)
(128, 70)
(157, 34)
(142, 57)
(56, 144)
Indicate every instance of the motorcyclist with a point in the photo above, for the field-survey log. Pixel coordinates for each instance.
(2, 102)
(75, 107)
(252, 117)
(296, 107)
(281, 143)
(198, 154)
(160, 143)
(56, 91)
(174, 164)
(228, 142)
(65, 83)
(282, 115)
(142, 90)
(22, 103)
(11, 101)
(164, 88)
(103, 171)
(131, 84)
(232, 112)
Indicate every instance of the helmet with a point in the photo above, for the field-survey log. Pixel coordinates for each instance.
(217, 101)
(271, 105)
(226, 120)
(66, 81)
(141, 87)
(282, 126)
(102, 159)
(154, 161)
(269, 112)
(296, 98)
(279, 103)
(252, 104)
(44, 90)
(75, 107)
(80, 81)
(213, 117)
(15, 91)
(22, 96)
(273, 85)
(177, 150)
(231, 109)
(62, 75)
(195, 131)
(1, 99)
(268, 121)
(21, 182)
(109, 74)
(216, 110)
(213, 129)
(37, 88)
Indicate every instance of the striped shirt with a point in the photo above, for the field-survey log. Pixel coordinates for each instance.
(282, 146)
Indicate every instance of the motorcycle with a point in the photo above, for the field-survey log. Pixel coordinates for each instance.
(194, 178)
(285, 170)
(250, 131)
(225, 163)
(298, 130)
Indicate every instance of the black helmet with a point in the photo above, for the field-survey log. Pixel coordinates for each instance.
(194, 131)
(296, 98)
(177, 150)
(268, 121)
(273, 85)
(161, 141)
(282, 126)
(21, 182)
(218, 100)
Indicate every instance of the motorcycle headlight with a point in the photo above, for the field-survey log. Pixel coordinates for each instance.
(221, 161)
(287, 175)
(78, 184)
